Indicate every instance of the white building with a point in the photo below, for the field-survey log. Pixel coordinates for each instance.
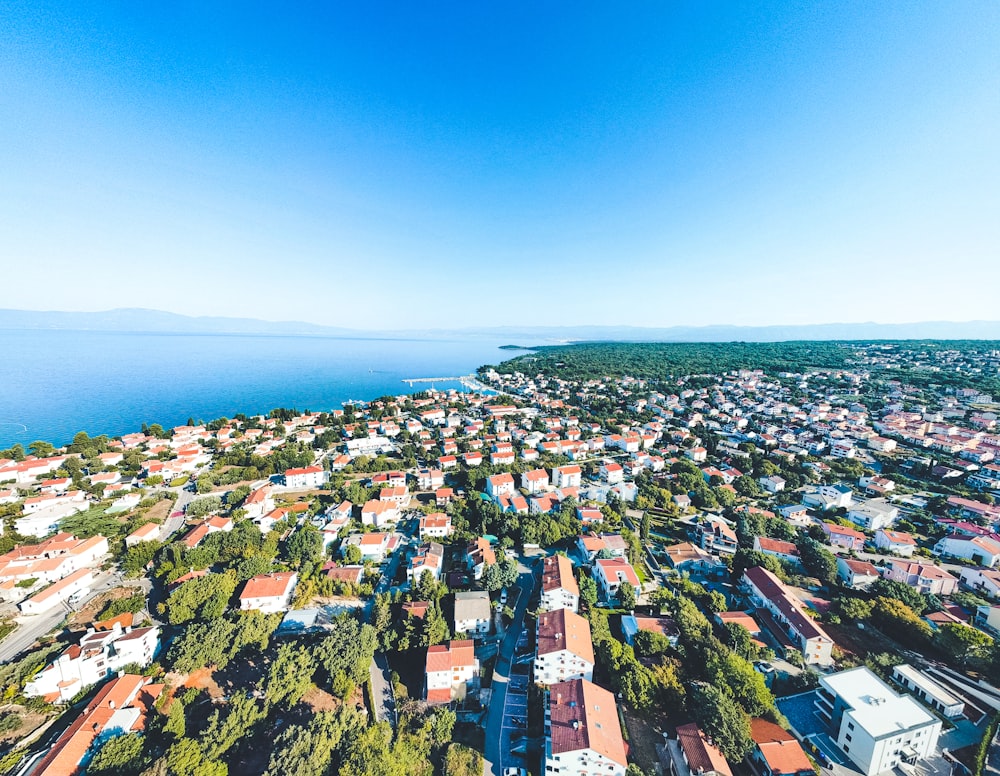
(978, 549)
(306, 478)
(473, 613)
(786, 612)
(929, 691)
(563, 649)
(610, 573)
(582, 733)
(268, 592)
(566, 476)
(77, 583)
(559, 587)
(873, 514)
(98, 655)
(435, 526)
(873, 725)
(500, 485)
(452, 672)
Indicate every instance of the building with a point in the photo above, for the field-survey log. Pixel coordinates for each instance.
(429, 558)
(473, 613)
(897, 542)
(148, 532)
(559, 587)
(567, 476)
(563, 648)
(857, 574)
(119, 707)
(478, 555)
(873, 725)
(839, 536)
(776, 752)
(268, 592)
(928, 691)
(784, 614)
(98, 655)
(452, 672)
(373, 546)
(436, 525)
(76, 584)
(873, 514)
(983, 581)
(694, 754)
(782, 550)
(582, 733)
(305, 478)
(716, 535)
(380, 513)
(610, 573)
(978, 549)
(663, 626)
(499, 485)
(590, 545)
(535, 482)
(923, 577)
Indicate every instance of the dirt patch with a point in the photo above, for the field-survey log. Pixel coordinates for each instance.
(30, 721)
(160, 510)
(320, 700)
(643, 735)
(88, 613)
(860, 643)
(203, 679)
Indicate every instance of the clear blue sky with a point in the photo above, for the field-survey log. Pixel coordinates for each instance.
(477, 163)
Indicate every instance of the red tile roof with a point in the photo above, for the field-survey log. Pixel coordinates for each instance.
(584, 716)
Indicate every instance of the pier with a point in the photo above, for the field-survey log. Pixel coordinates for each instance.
(412, 380)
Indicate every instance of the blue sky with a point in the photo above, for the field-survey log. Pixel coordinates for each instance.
(410, 165)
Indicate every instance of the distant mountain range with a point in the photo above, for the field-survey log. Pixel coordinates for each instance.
(157, 321)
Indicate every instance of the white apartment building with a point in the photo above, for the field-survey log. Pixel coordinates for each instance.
(564, 649)
(871, 724)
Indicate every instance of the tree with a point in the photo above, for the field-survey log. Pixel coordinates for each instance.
(205, 598)
(962, 643)
(588, 590)
(309, 749)
(306, 544)
(900, 622)
(626, 596)
(818, 560)
(290, 675)
(461, 760)
(352, 554)
(118, 756)
(722, 719)
(889, 588)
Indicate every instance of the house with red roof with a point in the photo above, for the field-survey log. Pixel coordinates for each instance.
(776, 751)
(694, 754)
(452, 672)
(582, 733)
(563, 647)
(897, 542)
(120, 707)
(610, 573)
(269, 592)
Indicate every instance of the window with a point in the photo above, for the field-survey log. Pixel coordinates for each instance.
(850, 726)
(848, 737)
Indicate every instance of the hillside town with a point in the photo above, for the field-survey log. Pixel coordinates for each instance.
(767, 572)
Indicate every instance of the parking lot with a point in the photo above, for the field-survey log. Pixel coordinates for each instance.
(514, 724)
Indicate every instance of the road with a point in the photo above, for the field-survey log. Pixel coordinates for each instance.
(385, 699)
(30, 628)
(498, 730)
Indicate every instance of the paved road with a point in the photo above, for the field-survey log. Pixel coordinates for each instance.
(385, 699)
(498, 728)
(30, 628)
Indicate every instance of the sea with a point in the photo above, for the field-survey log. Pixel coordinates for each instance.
(54, 383)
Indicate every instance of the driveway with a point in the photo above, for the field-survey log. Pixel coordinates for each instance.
(382, 692)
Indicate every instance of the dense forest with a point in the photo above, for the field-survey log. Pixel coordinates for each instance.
(658, 360)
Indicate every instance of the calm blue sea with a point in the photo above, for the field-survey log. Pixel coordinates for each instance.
(55, 383)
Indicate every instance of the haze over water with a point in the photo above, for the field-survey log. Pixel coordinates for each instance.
(60, 382)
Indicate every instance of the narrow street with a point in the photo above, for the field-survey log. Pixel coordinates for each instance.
(497, 755)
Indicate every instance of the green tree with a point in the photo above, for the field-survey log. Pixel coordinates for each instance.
(588, 590)
(118, 756)
(352, 554)
(305, 545)
(460, 760)
(309, 749)
(726, 722)
(963, 643)
(290, 675)
(818, 560)
(626, 596)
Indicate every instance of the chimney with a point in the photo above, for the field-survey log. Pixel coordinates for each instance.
(558, 698)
